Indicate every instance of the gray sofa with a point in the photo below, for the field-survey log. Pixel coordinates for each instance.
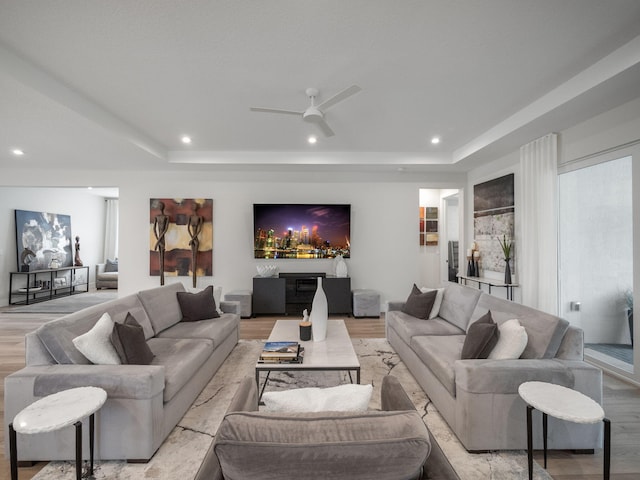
(390, 444)
(144, 402)
(104, 278)
(479, 397)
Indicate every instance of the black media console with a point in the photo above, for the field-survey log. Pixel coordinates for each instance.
(291, 293)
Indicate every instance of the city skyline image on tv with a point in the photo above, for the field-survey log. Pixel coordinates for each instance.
(304, 231)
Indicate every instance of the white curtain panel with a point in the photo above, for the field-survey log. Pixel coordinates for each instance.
(539, 246)
(111, 229)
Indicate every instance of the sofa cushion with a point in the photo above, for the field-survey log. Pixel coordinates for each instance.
(111, 266)
(408, 327)
(481, 338)
(435, 310)
(129, 342)
(512, 341)
(216, 330)
(458, 304)
(316, 446)
(419, 304)
(96, 343)
(197, 306)
(545, 332)
(57, 335)
(162, 305)
(342, 398)
(440, 353)
(181, 358)
(108, 276)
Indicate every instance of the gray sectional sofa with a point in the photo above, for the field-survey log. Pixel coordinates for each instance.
(144, 402)
(479, 397)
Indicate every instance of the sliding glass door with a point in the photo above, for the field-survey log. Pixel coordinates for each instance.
(596, 258)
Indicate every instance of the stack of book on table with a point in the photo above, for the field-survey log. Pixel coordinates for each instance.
(281, 352)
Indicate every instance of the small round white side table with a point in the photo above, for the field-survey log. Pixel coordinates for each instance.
(54, 412)
(565, 404)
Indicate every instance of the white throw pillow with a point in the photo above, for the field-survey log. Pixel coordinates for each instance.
(96, 343)
(343, 398)
(217, 297)
(512, 341)
(435, 310)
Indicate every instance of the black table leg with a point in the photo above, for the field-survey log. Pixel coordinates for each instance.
(92, 430)
(530, 441)
(78, 426)
(607, 447)
(544, 438)
(13, 452)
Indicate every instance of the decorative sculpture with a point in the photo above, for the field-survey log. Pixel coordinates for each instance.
(76, 261)
(160, 227)
(194, 227)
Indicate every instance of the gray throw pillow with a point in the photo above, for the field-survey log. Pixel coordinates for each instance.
(111, 266)
(419, 304)
(129, 342)
(481, 337)
(197, 306)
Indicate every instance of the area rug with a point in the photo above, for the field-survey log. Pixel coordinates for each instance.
(68, 304)
(181, 454)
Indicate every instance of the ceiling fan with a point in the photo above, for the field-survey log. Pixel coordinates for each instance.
(315, 113)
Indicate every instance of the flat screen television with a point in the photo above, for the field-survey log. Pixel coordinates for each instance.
(304, 231)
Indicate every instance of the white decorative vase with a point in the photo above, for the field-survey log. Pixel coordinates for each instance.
(341, 267)
(319, 314)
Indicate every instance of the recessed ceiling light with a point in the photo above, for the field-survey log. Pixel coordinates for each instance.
(186, 139)
(89, 188)
(17, 152)
(435, 140)
(312, 139)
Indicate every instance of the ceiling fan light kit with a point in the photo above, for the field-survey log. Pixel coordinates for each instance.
(315, 113)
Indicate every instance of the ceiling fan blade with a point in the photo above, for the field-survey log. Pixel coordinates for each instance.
(324, 126)
(274, 110)
(338, 97)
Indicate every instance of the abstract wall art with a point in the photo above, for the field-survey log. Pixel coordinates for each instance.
(181, 237)
(43, 240)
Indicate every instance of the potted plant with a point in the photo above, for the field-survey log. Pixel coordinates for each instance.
(506, 245)
(628, 299)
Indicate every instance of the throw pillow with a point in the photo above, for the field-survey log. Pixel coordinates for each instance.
(343, 398)
(419, 304)
(481, 338)
(111, 266)
(197, 306)
(129, 342)
(435, 310)
(96, 343)
(512, 342)
(217, 297)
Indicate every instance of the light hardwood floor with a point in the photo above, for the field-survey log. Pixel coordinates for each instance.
(621, 400)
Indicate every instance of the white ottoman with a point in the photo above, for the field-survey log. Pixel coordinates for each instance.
(366, 303)
(244, 297)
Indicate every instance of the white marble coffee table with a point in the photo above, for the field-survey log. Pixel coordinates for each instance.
(54, 412)
(565, 404)
(334, 353)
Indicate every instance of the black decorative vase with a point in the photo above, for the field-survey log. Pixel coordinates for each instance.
(507, 271)
(470, 269)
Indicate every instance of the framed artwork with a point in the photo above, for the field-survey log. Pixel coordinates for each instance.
(178, 227)
(43, 240)
(428, 226)
(493, 217)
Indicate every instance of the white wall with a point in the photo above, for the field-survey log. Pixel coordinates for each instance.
(384, 240)
(87, 222)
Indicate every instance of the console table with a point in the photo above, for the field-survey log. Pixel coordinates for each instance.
(42, 285)
(490, 282)
(291, 293)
